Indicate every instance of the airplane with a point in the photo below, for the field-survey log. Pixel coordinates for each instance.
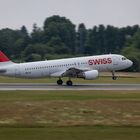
(87, 67)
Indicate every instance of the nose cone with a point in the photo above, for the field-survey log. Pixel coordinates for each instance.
(130, 63)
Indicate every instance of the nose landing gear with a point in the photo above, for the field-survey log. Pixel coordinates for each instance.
(113, 75)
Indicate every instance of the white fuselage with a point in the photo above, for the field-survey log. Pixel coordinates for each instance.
(54, 68)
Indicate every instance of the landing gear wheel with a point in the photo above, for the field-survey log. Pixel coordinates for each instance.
(114, 77)
(59, 82)
(69, 83)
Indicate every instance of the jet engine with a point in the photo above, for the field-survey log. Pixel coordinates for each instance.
(89, 75)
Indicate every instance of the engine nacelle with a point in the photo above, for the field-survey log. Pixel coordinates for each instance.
(90, 75)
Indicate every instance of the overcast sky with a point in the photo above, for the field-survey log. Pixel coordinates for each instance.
(15, 13)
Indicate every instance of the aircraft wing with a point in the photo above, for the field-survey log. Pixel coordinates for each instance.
(58, 74)
(71, 72)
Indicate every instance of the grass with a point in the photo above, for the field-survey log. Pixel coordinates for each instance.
(70, 115)
(22, 96)
(71, 133)
(69, 108)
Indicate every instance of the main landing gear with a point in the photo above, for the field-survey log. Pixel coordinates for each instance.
(59, 82)
(68, 83)
(113, 75)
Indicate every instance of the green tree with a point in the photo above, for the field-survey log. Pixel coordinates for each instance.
(33, 57)
(8, 38)
(111, 40)
(35, 49)
(132, 50)
(91, 47)
(37, 35)
(25, 36)
(62, 28)
(81, 39)
(95, 40)
(21, 42)
(58, 46)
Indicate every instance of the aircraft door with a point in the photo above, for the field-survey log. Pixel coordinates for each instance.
(17, 72)
(115, 62)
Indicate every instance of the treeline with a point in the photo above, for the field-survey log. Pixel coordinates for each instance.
(59, 37)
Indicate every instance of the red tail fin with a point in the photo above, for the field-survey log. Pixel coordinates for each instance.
(3, 57)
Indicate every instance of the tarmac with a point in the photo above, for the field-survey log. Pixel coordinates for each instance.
(54, 86)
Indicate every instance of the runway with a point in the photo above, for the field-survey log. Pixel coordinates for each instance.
(53, 86)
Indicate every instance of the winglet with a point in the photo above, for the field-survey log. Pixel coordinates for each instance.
(3, 57)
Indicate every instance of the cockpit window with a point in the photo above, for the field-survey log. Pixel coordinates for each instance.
(124, 58)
